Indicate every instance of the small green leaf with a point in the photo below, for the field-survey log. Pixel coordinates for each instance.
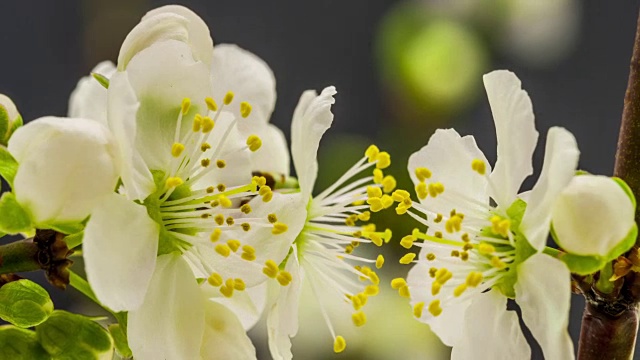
(70, 336)
(624, 245)
(101, 79)
(5, 124)
(120, 340)
(582, 265)
(13, 218)
(20, 344)
(24, 303)
(8, 165)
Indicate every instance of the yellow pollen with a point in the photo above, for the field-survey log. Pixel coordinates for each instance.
(219, 219)
(455, 253)
(417, 309)
(254, 142)
(207, 124)
(371, 153)
(205, 146)
(438, 218)
(173, 182)
(386, 200)
(464, 256)
(246, 208)
(443, 275)
(272, 218)
(397, 283)
(374, 191)
(245, 109)
(348, 249)
(479, 166)
(422, 191)
(223, 249)
(221, 187)
(224, 201)
(279, 228)
(453, 224)
(376, 239)
(339, 344)
(474, 278)
(186, 104)
(438, 234)
(248, 249)
(245, 226)
(465, 237)
(486, 249)
(389, 184)
(228, 98)
(215, 280)
(435, 288)
(400, 195)
(422, 173)
(230, 221)
(234, 245)
(432, 272)
(351, 220)
(211, 104)
(177, 149)
(402, 209)
(407, 241)
(239, 284)
(434, 308)
(497, 263)
(259, 180)
(383, 160)
(365, 216)
(431, 256)
(210, 189)
(197, 123)
(459, 290)
(359, 318)
(227, 289)
(284, 278)
(205, 162)
(215, 235)
(372, 290)
(378, 176)
(435, 189)
(375, 204)
(221, 164)
(270, 269)
(404, 292)
(373, 277)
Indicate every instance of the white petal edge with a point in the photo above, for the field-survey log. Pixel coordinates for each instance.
(311, 119)
(491, 331)
(515, 131)
(224, 335)
(89, 99)
(543, 291)
(247, 305)
(560, 163)
(9, 106)
(120, 247)
(170, 323)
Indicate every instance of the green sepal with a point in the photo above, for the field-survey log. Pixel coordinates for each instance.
(74, 240)
(13, 218)
(20, 344)
(8, 166)
(70, 336)
(5, 124)
(626, 189)
(24, 303)
(101, 79)
(582, 172)
(15, 125)
(120, 340)
(69, 227)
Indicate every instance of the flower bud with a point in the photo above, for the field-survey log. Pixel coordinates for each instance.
(593, 216)
(10, 119)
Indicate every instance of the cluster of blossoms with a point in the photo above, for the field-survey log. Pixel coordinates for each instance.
(191, 226)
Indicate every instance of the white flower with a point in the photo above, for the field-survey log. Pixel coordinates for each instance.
(593, 216)
(10, 119)
(186, 173)
(65, 167)
(325, 231)
(478, 253)
(89, 99)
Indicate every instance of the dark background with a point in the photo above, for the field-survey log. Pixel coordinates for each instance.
(46, 46)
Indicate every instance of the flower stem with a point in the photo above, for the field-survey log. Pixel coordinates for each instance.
(19, 256)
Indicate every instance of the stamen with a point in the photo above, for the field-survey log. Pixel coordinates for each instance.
(177, 149)
(228, 98)
(422, 173)
(254, 143)
(245, 109)
(339, 344)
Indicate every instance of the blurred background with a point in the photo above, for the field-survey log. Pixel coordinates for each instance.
(402, 69)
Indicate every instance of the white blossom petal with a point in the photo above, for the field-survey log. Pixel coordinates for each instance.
(224, 336)
(89, 99)
(273, 155)
(449, 156)
(491, 332)
(9, 107)
(120, 246)
(247, 76)
(170, 323)
(560, 162)
(311, 118)
(65, 167)
(543, 291)
(247, 305)
(515, 132)
(592, 215)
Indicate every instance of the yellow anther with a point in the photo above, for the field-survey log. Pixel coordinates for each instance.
(372, 290)
(464, 256)
(435, 288)
(245, 226)
(375, 204)
(270, 269)
(435, 189)
(379, 261)
(438, 218)
(205, 162)
(248, 257)
(404, 292)
(369, 227)
(272, 218)
(465, 237)
(378, 176)
(402, 209)
(357, 202)
(245, 109)
(387, 235)
(215, 279)
(443, 275)
(438, 234)
(226, 290)
(210, 189)
(223, 249)
(284, 278)
(279, 228)
(407, 241)
(239, 284)
(422, 191)
(358, 301)
(186, 104)
(479, 166)
(434, 308)
(359, 318)
(248, 249)
(205, 146)
(207, 124)
(351, 220)
(397, 283)
(373, 277)
(376, 239)
(348, 249)
(388, 184)
(253, 142)
(221, 187)
(197, 123)
(374, 191)
(504, 227)
(177, 149)
(453, 224)
(497, 263)
(211, 104)
(431, 256)
(221, 163)
(246, 208)
(432, 272)
(417, 309)
(371, 153)
(225, 201)
(474, 278)
(486, 249)
(230, 221)
(400, 195)
(228, 98)
(259, 180)
(339, 344)
(219, 219)
(455, 253)
(467, 247)
(173, 182)
(386, 200)
(459, 290)
(383, 160)
(215, 235)
(422, 173)
(365, 216)
(234, 245)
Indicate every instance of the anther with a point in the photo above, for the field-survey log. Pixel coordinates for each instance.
(233, 244)
(205, 162)
(284, 278)
(270, 269)
(219, 219)
(246, 226)
(230, 221)
(225, 201)
(431, 256)
(221, 187)
(174, 182)
(374, 192)
(254, 142)
(434, 308)
(228, 98)
(272, 218)
(422, 173)
(359, 318)
(279, 228)
(177, 149)
(211, 104)
(379, 261)
(215, 280)
(207, 124)
(223, 249)
(245, 109)
(205, 146)
(215, 235)
(388, 184)
(417, 309)
(186, 104)
(197, 123)
(339, 344)
(378, 176)
(239, 284)
(371, 153)
(479, 166)
(383, 160)
(246, 208)
(221, 164)
(407, 241)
